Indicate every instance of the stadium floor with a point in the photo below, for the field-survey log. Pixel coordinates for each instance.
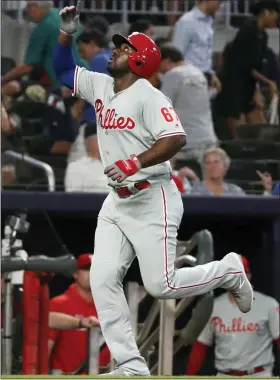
(80, 377)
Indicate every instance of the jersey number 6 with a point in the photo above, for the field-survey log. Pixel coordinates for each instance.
(169, 114)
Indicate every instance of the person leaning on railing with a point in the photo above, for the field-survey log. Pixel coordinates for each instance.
(68, 349)
(61, 321)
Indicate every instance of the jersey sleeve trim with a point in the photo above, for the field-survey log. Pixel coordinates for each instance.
(167, 134)
(75, 81)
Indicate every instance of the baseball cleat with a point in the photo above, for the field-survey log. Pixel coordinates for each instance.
(117, 372)
(242, 289)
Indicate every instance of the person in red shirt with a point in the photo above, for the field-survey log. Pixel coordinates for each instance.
(68, 349)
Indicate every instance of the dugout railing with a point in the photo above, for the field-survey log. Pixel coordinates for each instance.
(33, 162)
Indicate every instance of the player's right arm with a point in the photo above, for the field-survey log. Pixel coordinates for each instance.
(199, 350)
(80, 80)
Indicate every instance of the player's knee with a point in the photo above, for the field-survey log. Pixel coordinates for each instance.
(102, 279)
(156, 288)
(98, 279)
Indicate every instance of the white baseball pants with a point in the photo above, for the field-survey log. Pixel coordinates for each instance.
(144, 225)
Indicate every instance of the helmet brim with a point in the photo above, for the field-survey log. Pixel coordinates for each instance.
(118, 39)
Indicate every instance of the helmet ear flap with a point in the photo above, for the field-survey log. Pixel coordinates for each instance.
(135, 60)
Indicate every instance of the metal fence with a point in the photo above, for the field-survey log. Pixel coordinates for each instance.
(126, 8)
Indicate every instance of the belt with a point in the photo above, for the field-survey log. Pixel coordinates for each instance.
(244, 373)
(127, 191)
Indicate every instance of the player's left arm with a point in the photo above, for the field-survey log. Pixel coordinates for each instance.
(274, 322)
(163, 123)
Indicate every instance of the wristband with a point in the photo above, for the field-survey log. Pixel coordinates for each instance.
(66, 34)
(80, 325)
(136, 160)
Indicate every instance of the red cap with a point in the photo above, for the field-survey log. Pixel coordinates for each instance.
(246, 264)
(84, 261)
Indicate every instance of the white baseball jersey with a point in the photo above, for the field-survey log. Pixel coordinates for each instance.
(128, 122)
(242, 341)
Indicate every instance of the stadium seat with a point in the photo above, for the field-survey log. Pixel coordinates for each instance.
(261, 131)
(252, 149)
(250, 187)
(246, 170)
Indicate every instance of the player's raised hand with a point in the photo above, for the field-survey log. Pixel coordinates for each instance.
(69, 19)
(122, 169)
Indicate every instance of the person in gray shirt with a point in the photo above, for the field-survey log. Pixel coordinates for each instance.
(186, 86)
(216, 163)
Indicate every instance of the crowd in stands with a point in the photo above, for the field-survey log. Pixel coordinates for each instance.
(221, 99)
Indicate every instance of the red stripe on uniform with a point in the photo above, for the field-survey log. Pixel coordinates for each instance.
(172, 134)
(166, 254)
(75, 80)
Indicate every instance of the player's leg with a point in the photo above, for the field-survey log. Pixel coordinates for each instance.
(153, 236)
(113, 255)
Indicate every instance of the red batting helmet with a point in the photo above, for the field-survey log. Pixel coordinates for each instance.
(146, 59)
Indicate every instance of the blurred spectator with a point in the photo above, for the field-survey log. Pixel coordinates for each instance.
(44, 113)
(42, 41)
(243, 344)
(9, 126)
(97, 22)
(85, 172)
(68, 349)
(276, 190)
(193, 36)
(160, 41)
(271, 70)
(8, 175)
(184, 177)
(242, 67)
(216, 163)
(6, 126)
(186, 87)
(144, 26)
(94, 49)
(267, 182)
(11, 88)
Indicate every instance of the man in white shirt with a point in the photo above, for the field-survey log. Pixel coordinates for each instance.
(85, 172)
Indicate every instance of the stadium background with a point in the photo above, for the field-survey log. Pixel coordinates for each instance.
(257, 237)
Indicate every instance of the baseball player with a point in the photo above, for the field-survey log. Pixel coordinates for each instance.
(243, 344)
(138, 132)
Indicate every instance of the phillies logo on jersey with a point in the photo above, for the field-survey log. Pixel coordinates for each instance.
(109, 120)
(236, 325)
